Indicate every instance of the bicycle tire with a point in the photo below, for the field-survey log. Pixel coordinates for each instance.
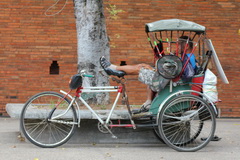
(157, 134)
(156, 131)
(37, 128)
(184, 120)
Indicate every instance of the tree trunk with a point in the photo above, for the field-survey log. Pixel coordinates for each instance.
(92, 44)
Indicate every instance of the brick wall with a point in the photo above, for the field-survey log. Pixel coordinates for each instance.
(221, 17)
(31, 41)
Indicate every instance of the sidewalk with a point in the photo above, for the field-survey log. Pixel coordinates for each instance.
(88, 133)
(12, 148)
(227, 129)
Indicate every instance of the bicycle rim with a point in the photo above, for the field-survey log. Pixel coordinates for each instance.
(38, 129)
(187, 123)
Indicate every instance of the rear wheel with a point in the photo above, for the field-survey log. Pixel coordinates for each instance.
(42, 131)
(157, 134)
(156, 130)
(185, 121)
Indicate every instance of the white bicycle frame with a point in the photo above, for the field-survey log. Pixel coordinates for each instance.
(89, 90)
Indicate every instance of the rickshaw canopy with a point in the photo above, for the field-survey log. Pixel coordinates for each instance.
(174, 25)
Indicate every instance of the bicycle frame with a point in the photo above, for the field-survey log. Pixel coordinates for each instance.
(100, 89)
(80, 90)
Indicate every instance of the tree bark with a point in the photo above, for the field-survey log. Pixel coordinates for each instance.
(92, 43)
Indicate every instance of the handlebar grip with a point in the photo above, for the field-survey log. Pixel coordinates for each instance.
(88, 75)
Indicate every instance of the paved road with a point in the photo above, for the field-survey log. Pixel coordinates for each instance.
(11, 148)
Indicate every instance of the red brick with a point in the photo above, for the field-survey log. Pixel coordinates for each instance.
(30, 41)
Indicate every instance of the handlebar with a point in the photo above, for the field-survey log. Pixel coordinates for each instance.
(88, 75)
(84, 74)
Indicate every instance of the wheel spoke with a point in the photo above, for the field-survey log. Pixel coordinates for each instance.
(41, 132)
(184, 120)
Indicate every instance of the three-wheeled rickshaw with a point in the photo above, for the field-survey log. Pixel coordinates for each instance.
(183, 113)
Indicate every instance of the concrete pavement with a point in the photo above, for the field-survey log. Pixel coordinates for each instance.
(88, 133)
(11, 148)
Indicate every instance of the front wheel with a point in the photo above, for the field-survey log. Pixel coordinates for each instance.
(37, 125)
(187, 123)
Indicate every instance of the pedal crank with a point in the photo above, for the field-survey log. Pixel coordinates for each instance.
(105, 129)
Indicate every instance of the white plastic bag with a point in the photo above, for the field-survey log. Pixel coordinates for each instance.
(209, 86)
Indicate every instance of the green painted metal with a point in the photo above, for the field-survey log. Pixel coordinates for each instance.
(174, 25)
(164, 94)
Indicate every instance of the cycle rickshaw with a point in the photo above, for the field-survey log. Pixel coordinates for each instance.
(182, 115)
